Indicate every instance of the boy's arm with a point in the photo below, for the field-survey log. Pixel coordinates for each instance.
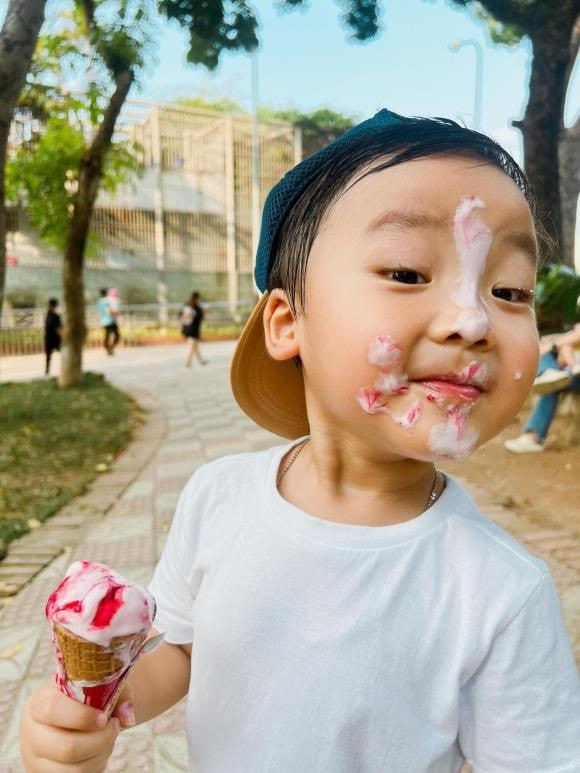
(521, 709)
(158, 680)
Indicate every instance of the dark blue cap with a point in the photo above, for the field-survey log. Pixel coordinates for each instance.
(285, 193)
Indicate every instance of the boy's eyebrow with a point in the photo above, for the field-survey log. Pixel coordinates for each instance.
(407, 219)
(520, 240)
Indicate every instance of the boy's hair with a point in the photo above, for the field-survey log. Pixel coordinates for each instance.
(52, 303)
(406, 140)
(104, 291)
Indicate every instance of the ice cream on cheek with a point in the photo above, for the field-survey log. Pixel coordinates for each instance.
(473, 239)
(386, 354)
(453, 393)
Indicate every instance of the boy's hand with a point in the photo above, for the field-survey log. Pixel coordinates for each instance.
(57, 733)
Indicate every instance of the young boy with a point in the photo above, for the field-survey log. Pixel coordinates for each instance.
(337, 605)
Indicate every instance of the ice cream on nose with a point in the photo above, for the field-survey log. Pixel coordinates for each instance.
(99, 621)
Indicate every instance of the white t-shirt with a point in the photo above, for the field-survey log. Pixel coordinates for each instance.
(321, 647)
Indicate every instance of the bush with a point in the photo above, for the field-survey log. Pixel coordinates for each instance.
(557, 292)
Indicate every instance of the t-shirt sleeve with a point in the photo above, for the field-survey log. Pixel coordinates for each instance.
(520, 711)
(172, 585)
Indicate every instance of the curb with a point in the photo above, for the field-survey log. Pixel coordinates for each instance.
(30, 554)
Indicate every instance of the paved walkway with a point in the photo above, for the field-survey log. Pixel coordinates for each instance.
(125, 516)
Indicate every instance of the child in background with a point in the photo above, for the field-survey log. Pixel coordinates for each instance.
(52, 332)
(338, 604)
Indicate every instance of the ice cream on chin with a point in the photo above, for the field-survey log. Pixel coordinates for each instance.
(99, 621)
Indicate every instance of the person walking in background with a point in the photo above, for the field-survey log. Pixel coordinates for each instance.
(108, 323)
(191, 318)
(52, 332)
(558, 372)
(114, 299)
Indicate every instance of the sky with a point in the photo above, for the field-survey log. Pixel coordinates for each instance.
(306, 61)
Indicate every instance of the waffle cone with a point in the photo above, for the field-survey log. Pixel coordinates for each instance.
(84, 661)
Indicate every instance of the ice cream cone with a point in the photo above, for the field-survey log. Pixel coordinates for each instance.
(85, 661)
(91, 673)
(99, 622)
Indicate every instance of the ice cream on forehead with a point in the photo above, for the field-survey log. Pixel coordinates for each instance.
(97, 604)
(99, 622)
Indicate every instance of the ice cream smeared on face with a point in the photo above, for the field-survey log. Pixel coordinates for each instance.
(473, 239)
(518, 375)
(385, 354)
(97, 604)
(453, 439)
(409, 418)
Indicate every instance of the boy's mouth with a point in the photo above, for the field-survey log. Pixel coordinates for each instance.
(451, 386)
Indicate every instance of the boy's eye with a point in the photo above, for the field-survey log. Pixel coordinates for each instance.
(513, 294)
(405, 276)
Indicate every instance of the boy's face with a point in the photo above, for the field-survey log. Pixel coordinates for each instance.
(419, 334)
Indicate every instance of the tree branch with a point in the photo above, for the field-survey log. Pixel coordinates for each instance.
(103, 137)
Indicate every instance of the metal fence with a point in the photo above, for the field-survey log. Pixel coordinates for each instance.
(189, 221)
(22, 330)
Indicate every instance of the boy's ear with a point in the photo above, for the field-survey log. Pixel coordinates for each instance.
(280, 327)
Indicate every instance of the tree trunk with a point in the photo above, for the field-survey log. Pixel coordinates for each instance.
(18, 38)
(569, 187)
(542, 122)
(90, 173)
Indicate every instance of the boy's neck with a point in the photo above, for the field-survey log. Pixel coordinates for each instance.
(332, 482)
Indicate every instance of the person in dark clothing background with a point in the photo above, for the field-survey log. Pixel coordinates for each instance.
(191, 317)
(52, 332)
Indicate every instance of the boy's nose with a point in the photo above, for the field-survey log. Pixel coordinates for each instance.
(469, 326)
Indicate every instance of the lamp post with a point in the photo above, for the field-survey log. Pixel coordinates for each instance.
(455, 46)
(255, 155)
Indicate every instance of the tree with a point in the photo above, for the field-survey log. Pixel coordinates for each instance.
(18, 37)
(319, 127)
(213, 27)
(569, 152)
(553, 27)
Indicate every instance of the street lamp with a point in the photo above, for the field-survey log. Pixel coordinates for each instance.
(455, 46)
(255, 155)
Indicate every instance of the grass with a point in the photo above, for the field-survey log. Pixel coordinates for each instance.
(53, 443)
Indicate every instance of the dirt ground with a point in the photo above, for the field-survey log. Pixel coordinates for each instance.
(545, 486)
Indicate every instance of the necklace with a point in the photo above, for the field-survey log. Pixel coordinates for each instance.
(292, 459)
(434, 494)
(436, 489)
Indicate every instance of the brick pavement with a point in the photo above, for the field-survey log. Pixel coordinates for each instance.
(124, 518)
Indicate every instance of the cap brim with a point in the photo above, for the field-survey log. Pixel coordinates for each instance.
(271, 392)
